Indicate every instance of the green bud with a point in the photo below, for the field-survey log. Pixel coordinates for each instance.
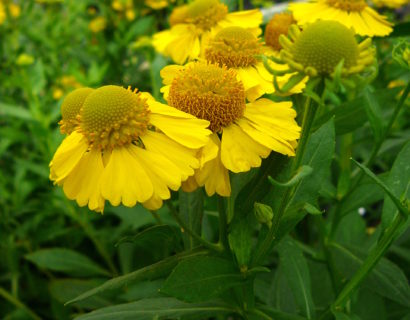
(263, 213)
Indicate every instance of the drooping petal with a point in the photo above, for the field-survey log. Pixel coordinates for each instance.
(124, 179)
(239, 152)
(83, 183)
(67, 156)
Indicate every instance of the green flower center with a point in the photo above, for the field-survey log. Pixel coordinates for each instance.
(323, 44)
(112, 116)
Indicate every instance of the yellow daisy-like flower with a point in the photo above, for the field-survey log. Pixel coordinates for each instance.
(277, 26)
(124, 147)
(157, 4)
(243, 133)
(2, 13)
(98, 24)
(240, 49)
(192, 24)
(319, 49)
(394, 4)
(351, 13)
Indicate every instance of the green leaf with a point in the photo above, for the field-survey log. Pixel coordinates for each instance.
(386, 279)
(297, 273)
(191, 210)
(158, 308)
(201, 278)
(302, 173)
(15, 111)
(400, 30)
(396, 201)
(398, 182)
(66, 261)
(152, 235)
(151, 272)
(66, 289)
(312, 209)
(374, 114)
(274, 314)
(240, 238)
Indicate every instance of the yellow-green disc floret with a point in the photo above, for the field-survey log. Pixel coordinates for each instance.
(113, 116)
(71, 107)
(323, 44)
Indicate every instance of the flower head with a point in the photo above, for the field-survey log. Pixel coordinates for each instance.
(320, 48)
(192, 24)
(125, 147)
(279, 24)
(351, 13)
(240, 49)
(243, 133)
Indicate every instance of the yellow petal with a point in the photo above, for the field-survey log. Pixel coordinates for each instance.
(83, 183)
(239, 153)
(214, 175)
(244, 19)
(124, 180)
(184, 158)
(179, 126)
(67, 156)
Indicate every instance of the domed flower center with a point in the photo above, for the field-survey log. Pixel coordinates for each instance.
(71, 107)
(113, 116)
(323, 44)
(208, 92)
(278, 25)
(234, 47)
(204, 14)
(347, 5)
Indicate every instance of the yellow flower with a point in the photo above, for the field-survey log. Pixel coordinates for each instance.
(157, 4)
(243, 133)
(98, 24)
(126, 6)
(14, 10)
(319, 49)
(240, 49)
(390, 3)
(2, 13)
(278, 25)
(351, 13)
(24, 59)
(124, 147)
(192, 24)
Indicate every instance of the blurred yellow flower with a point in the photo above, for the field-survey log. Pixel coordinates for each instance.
(24, 59)
(63, 85)
(2, 13)
(351, 13)
(14, 10)
(98, 24)
(192, 24)
(127, 148)
(243, 133)
(157, 4)
(125, 6)
(390, 3)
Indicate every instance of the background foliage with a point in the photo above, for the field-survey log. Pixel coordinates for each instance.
(52, 251)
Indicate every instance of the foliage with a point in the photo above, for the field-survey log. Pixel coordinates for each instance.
(336, 246)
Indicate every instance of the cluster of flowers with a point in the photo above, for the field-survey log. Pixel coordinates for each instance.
(126, 147)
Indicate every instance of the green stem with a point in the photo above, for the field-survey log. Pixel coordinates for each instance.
(223, 222)
(260, 314)
(156, 217)
(182, 224)
(307, 122)
(240, 5)
(18, 304)
(370, 262)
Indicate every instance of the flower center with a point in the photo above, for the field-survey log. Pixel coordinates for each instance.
(208, 92)
(347, 5)
(113, 116)
(234, 47)
(71, 107)
(278, 25)
(323, 44)
(204, 14)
